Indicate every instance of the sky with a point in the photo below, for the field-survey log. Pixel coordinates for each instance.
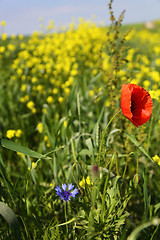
(22, 16)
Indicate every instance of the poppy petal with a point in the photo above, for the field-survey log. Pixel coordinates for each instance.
(126, 101)
(136, 104)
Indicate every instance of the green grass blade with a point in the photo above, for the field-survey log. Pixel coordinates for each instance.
(18, 148)
(146, 198)
(112, 132)
(90, 146)
(11, 219)
(1, 160)
(8, 185)
(137, 230)
(94, 79)
(137, 144)
(68, 222)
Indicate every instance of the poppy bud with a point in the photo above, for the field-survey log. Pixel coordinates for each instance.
(136, 179)
(95, 170)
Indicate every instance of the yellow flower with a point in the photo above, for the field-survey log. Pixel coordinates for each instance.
(85, 181)
(44, 110)
(74, 72)
(107, 103)
(135, 81)
(3, 23)
(155, 94)
(10, 133)
(11, 47)
(20, 154)
(13, 78)
(47, 141)
(65, 123)
(50, 99)
(157, 49)
(50, 25)
(82, 183)
(156, 159)
(19, 71)
(34, 79)
(48, 144)
(60, 99)
(88, 181)
(34, 165)
(45, 138)
(146, 83)
(2, 49)
(91, 93)
(4, 36)
(39, 88)
(155, 76)
(40, 127)
(55, 90)
(20, 36)
(34, 110)
(97, 99)
(18, 133)
(30, 105)
(157, 61)
(67, 91)
(94, 72)
(24, 99)
(22, 45)
(23, 87)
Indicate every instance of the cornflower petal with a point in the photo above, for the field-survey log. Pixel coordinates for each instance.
(58, 189)
(70, 187)
(64, 186)
(75, 191)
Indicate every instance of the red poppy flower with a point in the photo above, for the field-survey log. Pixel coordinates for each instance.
(136, 104)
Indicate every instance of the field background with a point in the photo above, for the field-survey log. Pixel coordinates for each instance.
(58, 92)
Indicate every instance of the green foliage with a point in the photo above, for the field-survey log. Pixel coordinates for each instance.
(11, 219)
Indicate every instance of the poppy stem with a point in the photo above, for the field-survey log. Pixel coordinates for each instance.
(103, 136)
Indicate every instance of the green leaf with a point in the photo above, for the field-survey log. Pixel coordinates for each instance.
(156, 208)
(51, 140)
(68, 222)
(11, 219)
(90, 146)
(18, 148)
(1, 160)
(137, 144)
(85, 152)
(146, 197)
(112, 132)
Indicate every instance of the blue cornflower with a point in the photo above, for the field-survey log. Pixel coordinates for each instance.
(65, 193)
